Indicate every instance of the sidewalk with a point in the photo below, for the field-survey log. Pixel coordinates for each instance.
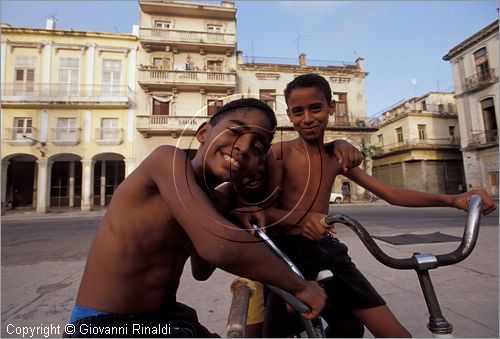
(43, 294)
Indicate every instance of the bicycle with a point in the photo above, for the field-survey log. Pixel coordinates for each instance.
(420, 262)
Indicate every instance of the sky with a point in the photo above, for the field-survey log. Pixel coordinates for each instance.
(402, 42)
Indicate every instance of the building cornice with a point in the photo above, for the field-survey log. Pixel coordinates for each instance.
(67, 33)
(464, 45)
(283, 68)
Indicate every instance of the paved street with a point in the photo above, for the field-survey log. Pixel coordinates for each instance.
(43, 259)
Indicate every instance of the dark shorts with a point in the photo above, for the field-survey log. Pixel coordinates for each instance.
(179, 321)
(348, 289)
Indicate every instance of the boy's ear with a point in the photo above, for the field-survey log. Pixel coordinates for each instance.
(201, 133)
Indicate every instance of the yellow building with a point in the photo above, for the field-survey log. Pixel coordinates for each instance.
(417, 145)
(67, 116)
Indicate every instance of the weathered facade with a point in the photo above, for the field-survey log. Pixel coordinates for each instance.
(67, 116)
(417, 145)
(475, 63)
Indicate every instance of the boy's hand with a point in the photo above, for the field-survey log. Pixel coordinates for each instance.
(461, 201)
(247, 216)
(313, 226)
(347, 155)
(315, 297)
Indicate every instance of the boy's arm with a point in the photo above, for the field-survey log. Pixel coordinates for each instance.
(347, 155)
(215, 239)
(409, 198)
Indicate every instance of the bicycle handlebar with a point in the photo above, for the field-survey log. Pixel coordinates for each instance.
(419, 261)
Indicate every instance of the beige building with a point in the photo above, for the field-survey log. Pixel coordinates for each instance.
(186, 70)
(67, 116)
(417, 145)
(475, 65)
(267, 81)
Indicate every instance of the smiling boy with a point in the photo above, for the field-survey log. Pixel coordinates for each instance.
(303, 172)
(153, 225)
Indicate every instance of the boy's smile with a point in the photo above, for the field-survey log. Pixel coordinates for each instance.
(236, 143)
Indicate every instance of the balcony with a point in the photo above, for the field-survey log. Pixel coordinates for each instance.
(21, 136)
(108, 136)
(483, 139)
(168, 125)
(480, 80)
(158, 79)
(418, 144)
(37, 94)
(161, 39)
(65, 136)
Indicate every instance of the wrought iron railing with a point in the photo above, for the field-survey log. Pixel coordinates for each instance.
(65, 136)
(191, 77)
(40, 91)
(108, 136)
(484, 137)
(169, 122)
(408, 144)
(481, 78)
(20, 135)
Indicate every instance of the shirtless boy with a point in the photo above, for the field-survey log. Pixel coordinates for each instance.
(152, 226)
(303, 172)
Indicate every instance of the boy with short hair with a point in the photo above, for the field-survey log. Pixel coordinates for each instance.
(152, 226)
(303, 172)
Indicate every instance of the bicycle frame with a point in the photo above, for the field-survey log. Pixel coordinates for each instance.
(423, 262)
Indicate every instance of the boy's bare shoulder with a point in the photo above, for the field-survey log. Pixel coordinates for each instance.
(280, 149)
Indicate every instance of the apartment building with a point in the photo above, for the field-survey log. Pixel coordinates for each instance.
(475, 65)
(417, 145)
(67, 116)
(186, 70)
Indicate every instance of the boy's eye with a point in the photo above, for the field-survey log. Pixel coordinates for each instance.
(234, 130)
(297, 112)
(316, 108)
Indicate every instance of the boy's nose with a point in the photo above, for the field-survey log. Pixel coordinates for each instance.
(307, 117)
(243, 144)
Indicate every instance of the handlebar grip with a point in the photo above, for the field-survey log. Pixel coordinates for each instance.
(469, 239)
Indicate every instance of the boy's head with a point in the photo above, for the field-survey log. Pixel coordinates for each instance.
(308, 81)
(309, 105)
(236, 139)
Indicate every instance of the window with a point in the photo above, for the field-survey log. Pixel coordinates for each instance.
(213, 106)
(22, 126)
(489, 119)
(482, 66)
(68, 76)
(269, 97)
(422, 135)
(111, 77)
(380, 139)
(399, 134)
(24, 81)
(163, 24)
(215, 32)
(214, 65)
(161, 107)
(493, 179)
(341, 113)
(451, 132)
(109, 129)
(424, 106)
(161, 63)
(66, 129)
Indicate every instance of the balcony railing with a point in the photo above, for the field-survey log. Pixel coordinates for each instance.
(21, 136)
(60, 93)
(340, 122)
(416, 143)
(65, 136)
(167, 123)
(484, 138)
(172, 35)
(482, 78)
(108, 136)
(160, 76)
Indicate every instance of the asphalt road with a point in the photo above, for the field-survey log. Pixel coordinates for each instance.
(45, 239)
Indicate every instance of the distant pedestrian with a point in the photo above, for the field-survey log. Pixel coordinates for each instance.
(346, 193)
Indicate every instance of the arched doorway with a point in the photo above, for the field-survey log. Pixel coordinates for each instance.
(109, 172)
(65, 181)
(20, 186)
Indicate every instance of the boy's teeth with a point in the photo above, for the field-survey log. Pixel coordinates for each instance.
(231, 161)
